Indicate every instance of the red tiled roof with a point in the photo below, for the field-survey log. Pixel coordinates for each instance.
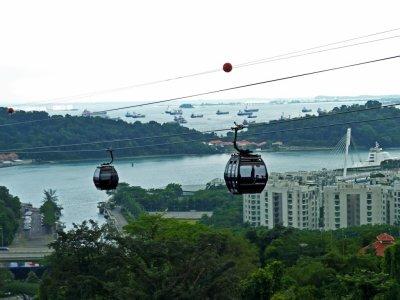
(383, 241)
(384, 237)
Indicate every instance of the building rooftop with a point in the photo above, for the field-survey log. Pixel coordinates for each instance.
(385, 238)
(383, 241)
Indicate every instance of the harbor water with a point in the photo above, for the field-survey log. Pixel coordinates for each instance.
(79, 198)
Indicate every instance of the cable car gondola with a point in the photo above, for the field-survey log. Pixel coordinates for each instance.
(105, 177)
(245, 173)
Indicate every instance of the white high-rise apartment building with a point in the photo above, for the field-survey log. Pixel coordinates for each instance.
(395, 204)
(283, 202)
(350, 204)
(308, 200)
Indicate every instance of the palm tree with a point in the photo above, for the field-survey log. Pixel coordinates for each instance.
(50, 195)
(50, 209)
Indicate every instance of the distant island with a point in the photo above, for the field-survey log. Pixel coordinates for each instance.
(386, 132)
(60, 130)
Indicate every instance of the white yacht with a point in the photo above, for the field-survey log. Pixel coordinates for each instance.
(376, 155)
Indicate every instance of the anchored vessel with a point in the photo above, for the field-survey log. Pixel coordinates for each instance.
(186, 105)
(196, 116)
(134, 115)
(219, 112)
(251, 109)
(87, 113)
(304, 110)
(244, 113)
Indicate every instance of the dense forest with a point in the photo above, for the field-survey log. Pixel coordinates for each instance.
(58, 130)
(10, 212)
(386, 132)
(215, 258)
(135, 200)
(161, 258)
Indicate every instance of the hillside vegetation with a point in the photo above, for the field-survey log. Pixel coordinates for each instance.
(60, 130)
(10, 207)
(161, 258)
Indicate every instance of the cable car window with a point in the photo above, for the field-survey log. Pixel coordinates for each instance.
(260, 171)
(234, 169)
(97, 173)
(105, 175)
(247, 171)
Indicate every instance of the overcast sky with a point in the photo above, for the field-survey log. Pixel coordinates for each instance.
(52, 49)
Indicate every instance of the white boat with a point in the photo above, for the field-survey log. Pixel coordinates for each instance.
(175, 112)
(251, 109)
(244, 113)
(376, 156)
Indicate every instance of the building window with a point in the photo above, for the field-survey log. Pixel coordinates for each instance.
(369, 196)
(336, 196)
(369, 219)
(337, 220)
(337, 225)
(369, 214)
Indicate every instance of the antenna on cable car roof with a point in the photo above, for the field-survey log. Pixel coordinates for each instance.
(236, 129)
(112, 156)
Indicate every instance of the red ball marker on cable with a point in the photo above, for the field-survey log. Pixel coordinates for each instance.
(227, 67)
(10, 110)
